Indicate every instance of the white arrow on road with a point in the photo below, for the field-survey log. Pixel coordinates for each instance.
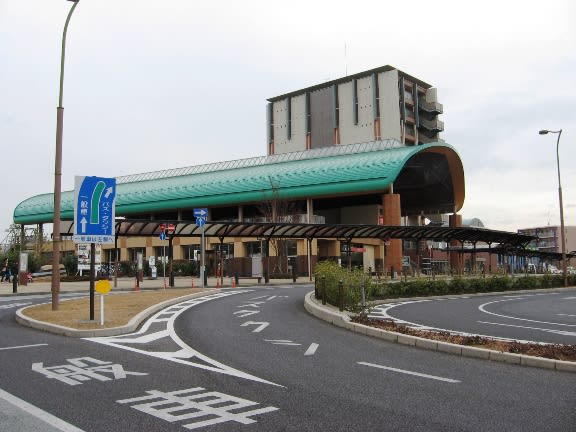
(261, 325)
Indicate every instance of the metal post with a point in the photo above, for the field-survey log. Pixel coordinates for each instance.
(341, 295)
(55, 285)
(323, 290)
(171, 260)
(164, 263)
(116, 258)
(202, 267)
(92, 278)
(562, 233)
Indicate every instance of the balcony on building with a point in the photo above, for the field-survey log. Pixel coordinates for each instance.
(434, 125)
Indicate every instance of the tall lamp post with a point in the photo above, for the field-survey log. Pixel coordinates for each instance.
(562, 233)
(58, 173)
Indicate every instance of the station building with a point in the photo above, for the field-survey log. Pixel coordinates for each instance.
(362, 149)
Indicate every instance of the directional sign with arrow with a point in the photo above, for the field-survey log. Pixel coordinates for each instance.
(94, 209)
(201, 212)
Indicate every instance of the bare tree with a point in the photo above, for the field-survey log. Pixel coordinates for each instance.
(279, 210)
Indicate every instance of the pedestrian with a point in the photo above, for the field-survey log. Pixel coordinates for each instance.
(8, 274)
(3, 274)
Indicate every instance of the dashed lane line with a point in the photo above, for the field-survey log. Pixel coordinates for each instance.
(22, 346)
(407, 372)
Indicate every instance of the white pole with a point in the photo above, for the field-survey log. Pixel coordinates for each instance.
(101, 309)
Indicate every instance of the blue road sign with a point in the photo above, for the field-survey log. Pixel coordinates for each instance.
(162, 235)
(201, 212)
(200, 221)
(94, 209)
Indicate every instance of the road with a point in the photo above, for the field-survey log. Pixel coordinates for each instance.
(254, 360)
(547, 317)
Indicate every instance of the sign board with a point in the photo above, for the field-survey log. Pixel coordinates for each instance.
(83, 252)
(23, 262)
(102, 286)
(201, 212)
(200, 221)
(358, 249)
(94, 209)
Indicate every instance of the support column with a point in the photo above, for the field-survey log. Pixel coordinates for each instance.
(391, 215)
(40, 239)
(455, 221)
(309, 211)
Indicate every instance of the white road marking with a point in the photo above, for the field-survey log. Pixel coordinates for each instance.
(568, 315)
(261, 325)
(204, 408)
(13, 305)
(38, 413)
(254, 305)
(569, 298)
(181, 353)
(22, 346)
(245, 313)
(407, 372)
(560, 332)
(382, 313)
(282, 342)
(311, 349)
(482, 308)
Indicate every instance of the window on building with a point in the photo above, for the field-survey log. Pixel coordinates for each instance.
(225, 249)
(133, 253)
(191, 252)
(253, 249)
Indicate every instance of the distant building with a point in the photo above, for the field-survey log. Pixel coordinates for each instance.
(382, 103)
(362, 149)
(549, 238)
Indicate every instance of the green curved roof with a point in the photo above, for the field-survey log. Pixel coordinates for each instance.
(344, 170)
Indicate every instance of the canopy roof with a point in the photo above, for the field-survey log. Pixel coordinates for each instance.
(143, 228)
(428, 177)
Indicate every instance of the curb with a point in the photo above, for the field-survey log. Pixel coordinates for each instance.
(338, 319)
(132, 325)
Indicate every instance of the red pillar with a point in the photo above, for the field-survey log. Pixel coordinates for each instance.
(392, 217)
(456, 258)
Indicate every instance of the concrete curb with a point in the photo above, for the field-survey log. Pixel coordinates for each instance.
(132, 325)
(339, 319)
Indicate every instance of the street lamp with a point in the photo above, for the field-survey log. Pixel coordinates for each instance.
(58, 173)
(562, 234)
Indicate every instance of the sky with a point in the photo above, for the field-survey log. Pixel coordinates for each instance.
(153, 85)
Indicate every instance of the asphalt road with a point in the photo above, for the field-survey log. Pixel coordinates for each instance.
(254, 360)
(548, 317)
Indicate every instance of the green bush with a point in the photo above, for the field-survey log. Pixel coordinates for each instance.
(331, 275)
(460, 285)
(184, 268)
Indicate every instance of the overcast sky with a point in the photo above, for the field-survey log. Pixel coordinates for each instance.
(152, 85)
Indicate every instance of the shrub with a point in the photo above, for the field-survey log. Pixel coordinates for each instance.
(331, 275)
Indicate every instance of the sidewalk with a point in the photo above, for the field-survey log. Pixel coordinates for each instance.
(129, 284)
